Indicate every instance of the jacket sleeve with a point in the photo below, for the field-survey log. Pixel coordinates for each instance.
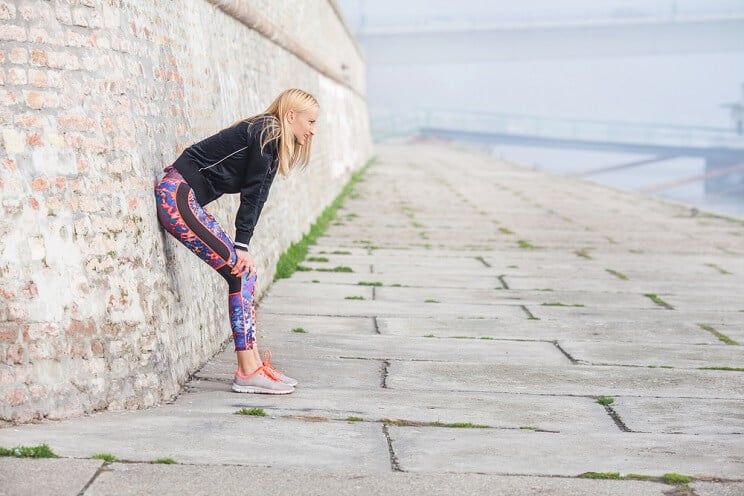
(254, 192)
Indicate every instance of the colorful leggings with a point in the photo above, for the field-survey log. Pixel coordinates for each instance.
(182, 216)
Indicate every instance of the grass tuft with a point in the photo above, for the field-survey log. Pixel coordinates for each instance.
(719, 269)
(721, 337)
(506, 230)
(601, 475)
(617, 274)
(339, 268)
(605, 400)
(368, 283)
(559, 304)
(728, 369)
(299, 330)
(526, 245)
(104, 456)
(165, 461)
(41, 451)
(254, 412)
(655, 298)
(316, 259)
(582, 254)
(354, 419)
(354, 298)
(431, 300)
(676, 478)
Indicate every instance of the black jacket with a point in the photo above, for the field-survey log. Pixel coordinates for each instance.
(232, 161)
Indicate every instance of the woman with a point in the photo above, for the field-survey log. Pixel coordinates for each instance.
(243, 158)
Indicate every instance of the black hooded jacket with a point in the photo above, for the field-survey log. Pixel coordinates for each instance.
(232, 161)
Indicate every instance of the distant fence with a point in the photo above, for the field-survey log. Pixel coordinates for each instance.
(643, 134)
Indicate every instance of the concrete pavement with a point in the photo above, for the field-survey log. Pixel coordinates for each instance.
(488, 308)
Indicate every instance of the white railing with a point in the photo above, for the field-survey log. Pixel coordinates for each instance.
(411, 123)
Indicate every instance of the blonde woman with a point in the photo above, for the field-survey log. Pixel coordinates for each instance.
(243, 158)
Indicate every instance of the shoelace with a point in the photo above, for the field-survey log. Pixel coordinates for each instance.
(267, 364)
(267, 372)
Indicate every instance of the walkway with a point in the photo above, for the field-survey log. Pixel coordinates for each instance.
(501, 331)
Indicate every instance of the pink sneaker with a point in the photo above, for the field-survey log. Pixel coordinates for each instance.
(261, 381)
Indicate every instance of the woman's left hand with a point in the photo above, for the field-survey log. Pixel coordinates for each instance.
(244, 265)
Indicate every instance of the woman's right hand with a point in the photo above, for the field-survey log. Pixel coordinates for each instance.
(244, 264)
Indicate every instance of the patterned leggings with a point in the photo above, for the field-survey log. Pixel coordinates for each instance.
(182, 216)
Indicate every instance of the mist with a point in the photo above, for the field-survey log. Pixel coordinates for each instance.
(650, 62)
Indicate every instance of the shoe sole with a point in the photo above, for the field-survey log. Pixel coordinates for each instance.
(259, 390)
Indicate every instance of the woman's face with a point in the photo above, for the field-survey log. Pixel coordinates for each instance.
(303, 124)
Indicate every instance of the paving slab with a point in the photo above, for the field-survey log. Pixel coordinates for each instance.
(566, 380)
(421, 280)
(322, 372)
(189, 436)
(276, 323)
(45, 476)
(703, 488)
(378, 347)
(643, 354)
(681, 415)
(550, 330)
(313, 304)
(375, 404)
(207, 480)
(511, 452)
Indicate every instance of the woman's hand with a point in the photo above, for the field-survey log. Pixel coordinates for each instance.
(244, 265)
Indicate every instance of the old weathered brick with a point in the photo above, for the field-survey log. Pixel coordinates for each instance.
(17, 76)
(9, 333)
(76, 122)
(8, 97)
(81, 328)
(12, 33)
(27, 121)
(40, 184)
(34, 139)
(41, 99)
(18, 56)
(97, 348)
(30, 290)
(80, 17)
(7, 10)
(63, 13)
(14, 397)
(8, 165)
(37, 78)
(16, 353)
(39, 58)
(63, 60)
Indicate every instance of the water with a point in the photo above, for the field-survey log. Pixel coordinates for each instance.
(571, 163)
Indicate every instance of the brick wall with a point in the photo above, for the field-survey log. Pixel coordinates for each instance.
(99, 308)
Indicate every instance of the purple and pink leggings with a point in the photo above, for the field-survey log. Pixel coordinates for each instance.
(182, 216)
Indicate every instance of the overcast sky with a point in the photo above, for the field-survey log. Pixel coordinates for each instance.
(678, 88)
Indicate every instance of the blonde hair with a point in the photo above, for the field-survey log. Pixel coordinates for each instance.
(291, 154)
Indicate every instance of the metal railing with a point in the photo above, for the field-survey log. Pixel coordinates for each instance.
(411, 123)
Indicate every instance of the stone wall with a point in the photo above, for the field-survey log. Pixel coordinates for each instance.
(99, 308)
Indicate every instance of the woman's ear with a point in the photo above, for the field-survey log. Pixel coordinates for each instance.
(290, 115)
